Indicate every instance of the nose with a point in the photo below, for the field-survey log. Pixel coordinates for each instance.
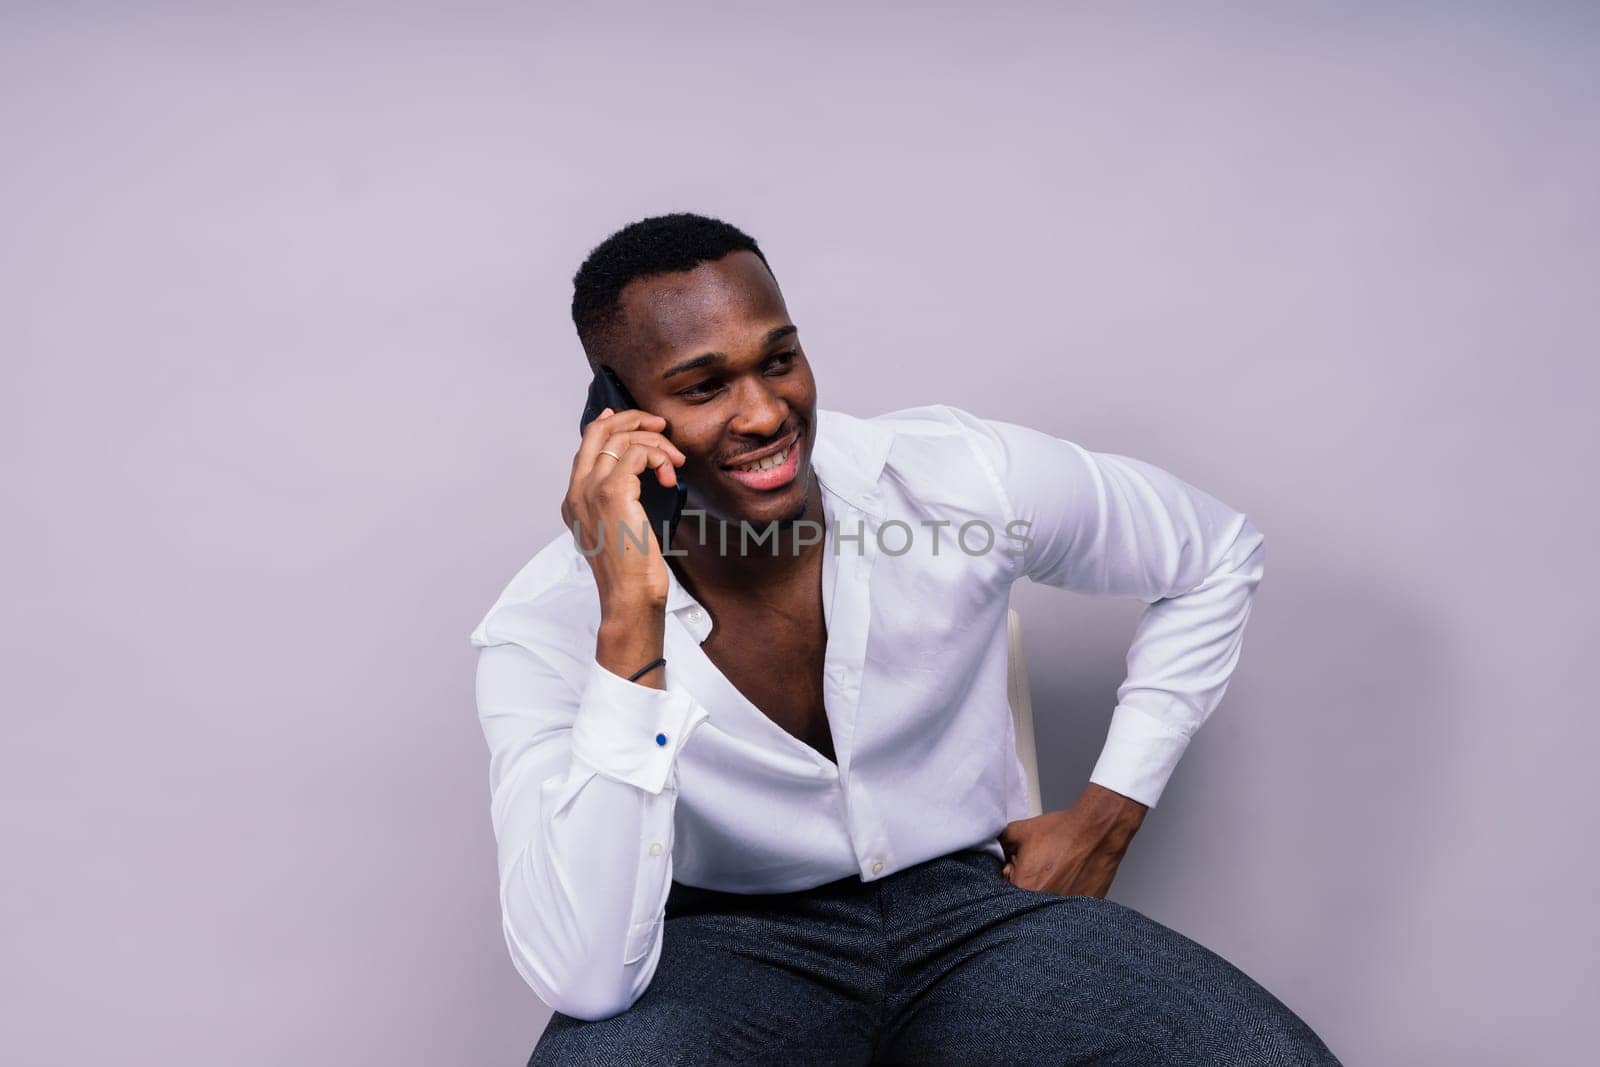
(762, 412)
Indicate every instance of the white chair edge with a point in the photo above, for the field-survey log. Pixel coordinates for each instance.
(1021, 700)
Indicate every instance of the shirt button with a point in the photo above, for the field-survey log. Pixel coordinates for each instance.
(694, 614)
(877, 866)
(655, 848)
(661, 739)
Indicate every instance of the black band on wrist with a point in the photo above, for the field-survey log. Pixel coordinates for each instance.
(646, 669)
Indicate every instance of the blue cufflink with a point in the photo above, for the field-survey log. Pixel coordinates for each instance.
(661, 739)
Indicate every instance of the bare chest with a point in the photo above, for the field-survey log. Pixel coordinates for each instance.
(774, 654)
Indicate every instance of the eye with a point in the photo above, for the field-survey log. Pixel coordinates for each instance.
(776, 364)
(700, 390)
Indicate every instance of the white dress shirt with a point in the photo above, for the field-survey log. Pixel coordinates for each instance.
(605, 791)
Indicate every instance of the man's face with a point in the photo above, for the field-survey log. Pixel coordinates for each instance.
(712, 351)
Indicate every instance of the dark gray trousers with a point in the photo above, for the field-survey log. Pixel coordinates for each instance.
(946, 962)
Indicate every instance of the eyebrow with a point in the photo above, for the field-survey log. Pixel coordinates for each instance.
(774, 334)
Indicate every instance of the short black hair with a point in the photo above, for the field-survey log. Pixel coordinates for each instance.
(658, 245)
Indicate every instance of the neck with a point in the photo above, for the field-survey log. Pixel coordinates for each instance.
(716, 560)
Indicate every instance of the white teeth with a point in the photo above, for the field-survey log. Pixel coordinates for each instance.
(766, 464)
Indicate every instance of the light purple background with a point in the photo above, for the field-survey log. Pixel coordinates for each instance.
(290, 388)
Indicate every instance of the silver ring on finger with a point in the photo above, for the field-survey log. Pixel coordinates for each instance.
(613, 455)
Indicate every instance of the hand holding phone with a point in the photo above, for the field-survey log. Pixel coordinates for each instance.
(623, 455)
(662, 503)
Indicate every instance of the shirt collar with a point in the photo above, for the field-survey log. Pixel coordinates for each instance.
(848, 456)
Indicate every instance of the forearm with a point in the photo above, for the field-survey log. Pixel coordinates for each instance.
(584, 797)
(628, 639)
(1110, 525)
(1112, 816)
(582, 902)
(1181, 658)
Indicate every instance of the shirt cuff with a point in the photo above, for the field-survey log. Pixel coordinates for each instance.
(632, 732)
(1139, 756)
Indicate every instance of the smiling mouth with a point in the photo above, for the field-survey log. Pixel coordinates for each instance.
(775, 459)
(773, 471)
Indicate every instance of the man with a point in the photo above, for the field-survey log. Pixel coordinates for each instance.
(756, 795)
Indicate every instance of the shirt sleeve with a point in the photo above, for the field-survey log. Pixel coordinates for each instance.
(583, 789)
(1105, 524)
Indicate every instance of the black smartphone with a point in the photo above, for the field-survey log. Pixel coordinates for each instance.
(663, 504)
